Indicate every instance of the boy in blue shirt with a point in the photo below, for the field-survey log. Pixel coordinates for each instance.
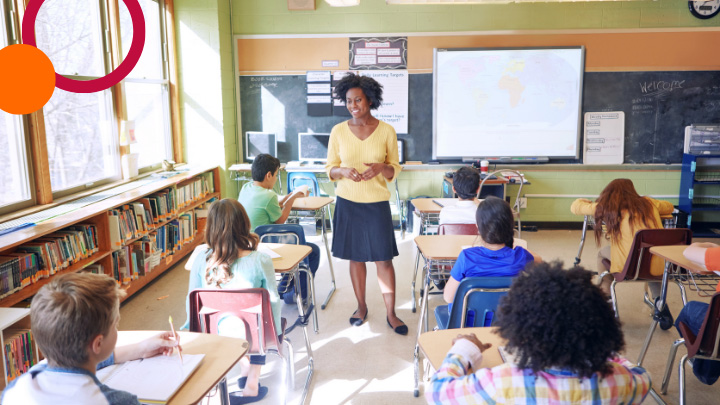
(74, 323)
(263, 208)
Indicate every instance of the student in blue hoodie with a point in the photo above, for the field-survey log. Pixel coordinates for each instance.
(496, 256)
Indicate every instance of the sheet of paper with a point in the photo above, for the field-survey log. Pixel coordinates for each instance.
(264, 249)
(142, 377)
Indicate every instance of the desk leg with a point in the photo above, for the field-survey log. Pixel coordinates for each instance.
(414, 278)
(308, 348)
(421, 321)
(330, 261)
(582, 242)
(223, 391)
(660, 303)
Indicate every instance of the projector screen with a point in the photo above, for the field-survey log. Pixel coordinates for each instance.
(507, 102)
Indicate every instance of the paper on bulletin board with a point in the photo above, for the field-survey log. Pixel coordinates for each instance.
(604, 138)
(394, 108)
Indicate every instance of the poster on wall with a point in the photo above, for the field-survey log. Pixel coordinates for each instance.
(394, 108)
(378, 53)
(604, 138)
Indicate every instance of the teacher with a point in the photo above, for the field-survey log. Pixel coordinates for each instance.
(362, 157)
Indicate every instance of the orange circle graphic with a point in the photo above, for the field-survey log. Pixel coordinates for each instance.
(27, 79)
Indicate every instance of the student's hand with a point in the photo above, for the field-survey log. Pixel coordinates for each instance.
(706, 245)
(373, 170)
(472, 338)
(163, 343)
(351, 174)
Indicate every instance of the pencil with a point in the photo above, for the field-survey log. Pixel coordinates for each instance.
(172, 328)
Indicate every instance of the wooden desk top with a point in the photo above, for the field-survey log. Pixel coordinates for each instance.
(311, 203)
(435, 345)
(428, 205)
(674, 255)
(221, 354)
(291, 255)
(443, 247)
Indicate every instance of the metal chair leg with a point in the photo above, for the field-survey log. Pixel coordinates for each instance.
(413, 304)
(681, 379)
(582, 240)
(416, 353)
(223, 391)
(613, 296)
(648, 338)
(668, 367)
(330, 261)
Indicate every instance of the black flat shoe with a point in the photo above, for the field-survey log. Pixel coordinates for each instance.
(354, 321)
(400, 330)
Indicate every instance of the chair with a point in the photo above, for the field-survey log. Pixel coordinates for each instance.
(637, 266)
(474, 304)
(458, 229)
(252, 306)
(297, 179)
(292, 234)
(516, 206)
(705, 346)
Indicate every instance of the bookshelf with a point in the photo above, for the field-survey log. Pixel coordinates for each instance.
(11, 321)
(99, 252)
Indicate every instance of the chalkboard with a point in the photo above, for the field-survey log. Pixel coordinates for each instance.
(657, 105)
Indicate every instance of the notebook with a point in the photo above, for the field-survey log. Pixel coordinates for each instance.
(153, 380)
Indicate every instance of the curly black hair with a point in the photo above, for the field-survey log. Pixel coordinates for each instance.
(369, 86)
(558, 318)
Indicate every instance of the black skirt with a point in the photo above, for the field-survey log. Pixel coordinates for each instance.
(363, 232)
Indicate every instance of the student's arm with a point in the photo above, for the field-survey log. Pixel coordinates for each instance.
(452, 384)
(286, 207)
(640, 379)
(664, 208)
(270, 284)
(583, 206)
(456, 275)
(196, 274)
(162, 343)
(697, 251)
(536, 258)
(450, 289)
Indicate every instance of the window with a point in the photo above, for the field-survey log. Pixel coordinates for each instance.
(14, 176)
(80, 128)
(147, 98)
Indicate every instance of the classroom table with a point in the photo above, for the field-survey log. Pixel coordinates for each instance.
(291, 256)
(319, 205)
(439, 253)
(434, 345)
(221, 354)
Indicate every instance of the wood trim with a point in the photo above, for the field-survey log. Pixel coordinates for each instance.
(39, 155)
(173, 80)
(113, 16)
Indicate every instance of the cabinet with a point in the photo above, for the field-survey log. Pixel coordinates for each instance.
(100, 252)
(19, 351)
(700, 194)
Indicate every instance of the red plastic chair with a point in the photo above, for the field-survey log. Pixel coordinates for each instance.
(706, 345)
(252, 306)
(458, 229)
(637, 266)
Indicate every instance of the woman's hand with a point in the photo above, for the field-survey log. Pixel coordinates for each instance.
(472, 338)
(351, 174)
(373, 170)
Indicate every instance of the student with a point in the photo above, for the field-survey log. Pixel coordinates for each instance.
(693, 314)
(496, 256)
(466, 183)
(263, 208)
(232, 261)
(74, 321)
(565, 341)
(622, 212)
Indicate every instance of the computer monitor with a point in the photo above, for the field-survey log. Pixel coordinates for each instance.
(313, 147)
(259, 142)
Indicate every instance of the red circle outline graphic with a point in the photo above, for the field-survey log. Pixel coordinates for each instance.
(109, 80)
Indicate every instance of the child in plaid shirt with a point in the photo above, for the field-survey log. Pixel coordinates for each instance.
(565, 339)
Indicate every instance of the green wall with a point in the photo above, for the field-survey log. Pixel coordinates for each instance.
(208, 101)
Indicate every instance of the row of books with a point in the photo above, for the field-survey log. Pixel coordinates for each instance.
(134, 260)
(44, 256)
(192, 192)
(18, 352)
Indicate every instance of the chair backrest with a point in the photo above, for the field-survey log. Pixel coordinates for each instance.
(292, 234)
(251, 305)
(476, 300)
(637, 266)
(707, 341)
(297, 179)
(458, 229)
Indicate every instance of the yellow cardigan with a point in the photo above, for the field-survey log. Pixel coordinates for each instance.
(347, 150)
(619, 252)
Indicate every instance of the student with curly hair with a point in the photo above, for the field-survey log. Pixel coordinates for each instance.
(362, 158)
(565, 339)
(622, 212)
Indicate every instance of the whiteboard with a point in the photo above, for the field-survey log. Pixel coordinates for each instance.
(507, 102)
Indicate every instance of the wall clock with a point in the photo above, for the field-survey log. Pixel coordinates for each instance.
(704, 9)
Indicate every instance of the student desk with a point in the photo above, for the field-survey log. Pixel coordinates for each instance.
(319, 205)
(439, 253)
(434, 345)
(221, 354)
(292, 255)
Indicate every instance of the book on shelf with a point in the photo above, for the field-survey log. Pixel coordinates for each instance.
(18, 352)
(10, 278)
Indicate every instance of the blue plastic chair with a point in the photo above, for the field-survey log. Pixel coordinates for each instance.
(474, 304)
(291, 234)
(297, 179)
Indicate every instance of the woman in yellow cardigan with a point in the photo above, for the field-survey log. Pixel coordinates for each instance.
(362, 157)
